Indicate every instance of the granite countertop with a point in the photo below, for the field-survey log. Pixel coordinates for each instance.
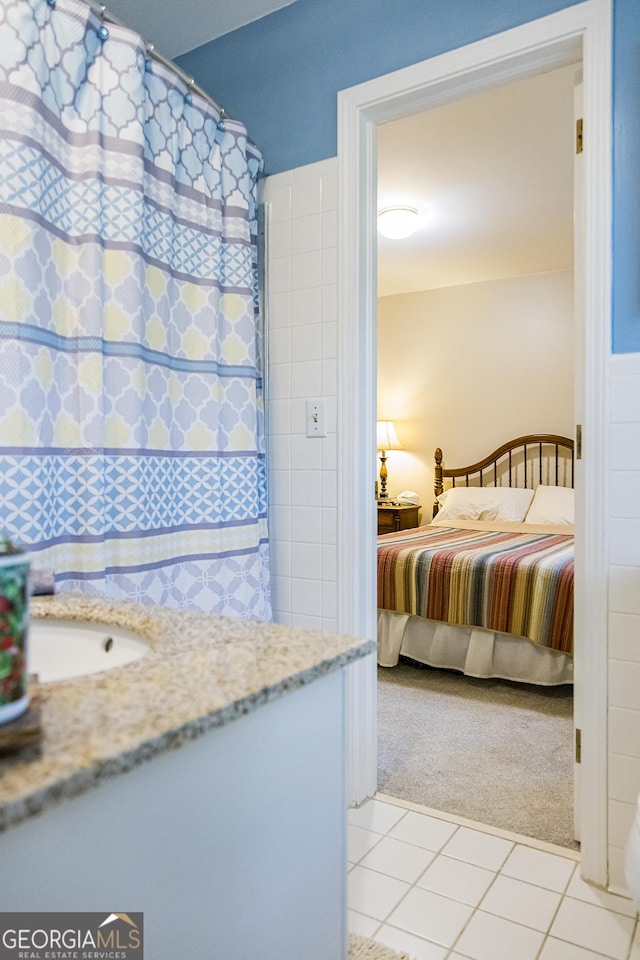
(200, 672)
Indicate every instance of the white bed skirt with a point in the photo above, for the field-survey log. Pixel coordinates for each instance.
(471, 650)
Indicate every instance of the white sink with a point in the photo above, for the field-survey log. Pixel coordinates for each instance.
(61, 649)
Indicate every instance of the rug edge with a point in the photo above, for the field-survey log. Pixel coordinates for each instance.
(363, 948)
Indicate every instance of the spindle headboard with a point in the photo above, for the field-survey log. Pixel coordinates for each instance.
(524, 462)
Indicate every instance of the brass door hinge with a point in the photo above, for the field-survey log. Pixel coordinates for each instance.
(578, 745)
(578, 441)
(579, 140)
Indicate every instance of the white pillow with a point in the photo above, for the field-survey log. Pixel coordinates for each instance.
(484, 503)
(553, 505)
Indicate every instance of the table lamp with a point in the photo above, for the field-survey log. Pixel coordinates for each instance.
(386, 440)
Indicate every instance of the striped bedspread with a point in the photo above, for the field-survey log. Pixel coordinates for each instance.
(518, 583)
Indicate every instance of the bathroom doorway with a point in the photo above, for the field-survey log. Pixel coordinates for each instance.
(476, 306)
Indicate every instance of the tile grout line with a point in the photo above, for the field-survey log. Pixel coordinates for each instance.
(564, 894)
(414, 884)
(607, 910)
(496, 874)
(532, 842)
(438, 853)
(357, 863)
(381, 923)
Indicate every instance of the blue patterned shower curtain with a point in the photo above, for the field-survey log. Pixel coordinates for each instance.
(131, 427)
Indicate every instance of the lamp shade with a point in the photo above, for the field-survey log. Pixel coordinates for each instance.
(386, 436)
(396, 223)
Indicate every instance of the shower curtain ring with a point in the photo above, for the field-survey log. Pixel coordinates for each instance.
(103, 33)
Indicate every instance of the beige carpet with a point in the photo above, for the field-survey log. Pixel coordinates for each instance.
(488, 750)
(362, 949)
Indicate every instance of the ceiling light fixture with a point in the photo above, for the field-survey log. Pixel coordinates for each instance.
(395, 223)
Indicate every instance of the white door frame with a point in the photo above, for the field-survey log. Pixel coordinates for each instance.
(580, 32)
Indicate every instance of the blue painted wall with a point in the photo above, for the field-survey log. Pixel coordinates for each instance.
(281, 75)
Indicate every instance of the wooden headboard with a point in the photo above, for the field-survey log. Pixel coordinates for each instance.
(524, 462)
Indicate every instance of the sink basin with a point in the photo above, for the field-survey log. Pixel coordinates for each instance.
(61, 649)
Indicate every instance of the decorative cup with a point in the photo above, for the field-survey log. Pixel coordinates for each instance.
(14, 623)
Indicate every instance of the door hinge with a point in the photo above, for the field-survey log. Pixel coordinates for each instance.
(578, 441)
(579, 141)
(578, 745)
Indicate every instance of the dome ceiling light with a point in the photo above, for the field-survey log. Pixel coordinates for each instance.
(399, 222)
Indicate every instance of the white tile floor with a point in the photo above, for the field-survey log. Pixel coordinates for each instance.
(437, 887)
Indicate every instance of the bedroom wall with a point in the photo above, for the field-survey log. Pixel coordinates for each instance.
(458, 366)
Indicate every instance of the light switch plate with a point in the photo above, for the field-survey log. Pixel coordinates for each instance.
(317, 418)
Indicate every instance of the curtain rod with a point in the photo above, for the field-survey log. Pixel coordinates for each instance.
(106, 14)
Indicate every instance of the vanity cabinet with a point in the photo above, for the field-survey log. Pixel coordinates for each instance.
(203, 785)
(233, 846)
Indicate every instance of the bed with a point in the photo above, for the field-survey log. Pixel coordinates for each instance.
(486, 588)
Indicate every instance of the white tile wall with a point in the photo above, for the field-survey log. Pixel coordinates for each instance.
(301, 278)
(302, 275)
(624, 608)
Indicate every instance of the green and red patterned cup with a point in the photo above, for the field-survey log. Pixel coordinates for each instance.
(14, 623)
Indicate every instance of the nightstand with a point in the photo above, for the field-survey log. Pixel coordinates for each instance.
(392, 517)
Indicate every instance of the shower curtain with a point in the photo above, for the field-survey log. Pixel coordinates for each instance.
(131, 410)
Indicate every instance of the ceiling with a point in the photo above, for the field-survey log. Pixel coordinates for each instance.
(175, 28)
(492, 176)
